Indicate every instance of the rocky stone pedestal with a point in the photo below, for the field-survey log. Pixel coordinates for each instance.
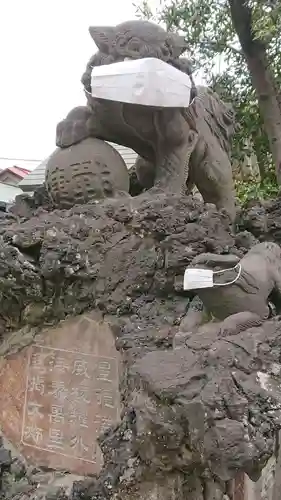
(91, 382)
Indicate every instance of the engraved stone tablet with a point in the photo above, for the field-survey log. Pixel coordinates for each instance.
(60, 393)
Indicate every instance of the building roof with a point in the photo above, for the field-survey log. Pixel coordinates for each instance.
(37, 176)
(8, 192)
(25, 164)
(20, 172)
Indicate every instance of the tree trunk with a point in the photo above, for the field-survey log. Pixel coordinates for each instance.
(260, 155)
(277, 483)
(268, 104)
(262, 79)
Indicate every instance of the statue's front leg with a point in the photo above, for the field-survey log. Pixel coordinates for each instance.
(172, 166)
(74, 128)
(189, 325)
(175, 143)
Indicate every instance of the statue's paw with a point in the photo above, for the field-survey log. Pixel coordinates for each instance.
(228, 327)
(70, 132)
(158, 193)
(153, 193)
(155, 190)
(180, 339)
(239, 322)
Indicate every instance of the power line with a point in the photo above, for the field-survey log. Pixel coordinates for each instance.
(19, 159)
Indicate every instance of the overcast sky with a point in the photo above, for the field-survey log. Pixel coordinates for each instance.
(45, 46)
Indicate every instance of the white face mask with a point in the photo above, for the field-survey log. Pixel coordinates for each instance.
(204, 278)
(198, 278)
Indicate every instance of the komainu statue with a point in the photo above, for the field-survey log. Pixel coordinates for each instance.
(177, 148)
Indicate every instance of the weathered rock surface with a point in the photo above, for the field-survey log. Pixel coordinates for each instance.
(263, 220)
(120, 256)
(227, 393)
(26, 205)
(18, 481)
(192, 418)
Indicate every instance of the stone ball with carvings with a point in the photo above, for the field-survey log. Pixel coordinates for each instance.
(87, 171)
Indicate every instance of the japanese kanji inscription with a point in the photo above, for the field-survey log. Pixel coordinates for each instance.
(63, 393)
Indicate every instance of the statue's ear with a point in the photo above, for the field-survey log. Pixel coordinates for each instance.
(177, 44)
(103, 37)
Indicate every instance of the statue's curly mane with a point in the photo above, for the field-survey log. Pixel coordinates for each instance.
(219, 115)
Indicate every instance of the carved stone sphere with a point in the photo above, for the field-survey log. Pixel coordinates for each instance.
(90, 170)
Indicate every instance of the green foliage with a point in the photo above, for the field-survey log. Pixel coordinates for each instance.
(255, 190)
(266, 20)
(214, 49)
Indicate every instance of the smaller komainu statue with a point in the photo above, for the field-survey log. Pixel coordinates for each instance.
(177, 147)
(245, 301)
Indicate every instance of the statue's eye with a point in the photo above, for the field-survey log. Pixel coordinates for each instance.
(134, 45)
(121, 42)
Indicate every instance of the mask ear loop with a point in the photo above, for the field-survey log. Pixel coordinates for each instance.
(229, 269)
